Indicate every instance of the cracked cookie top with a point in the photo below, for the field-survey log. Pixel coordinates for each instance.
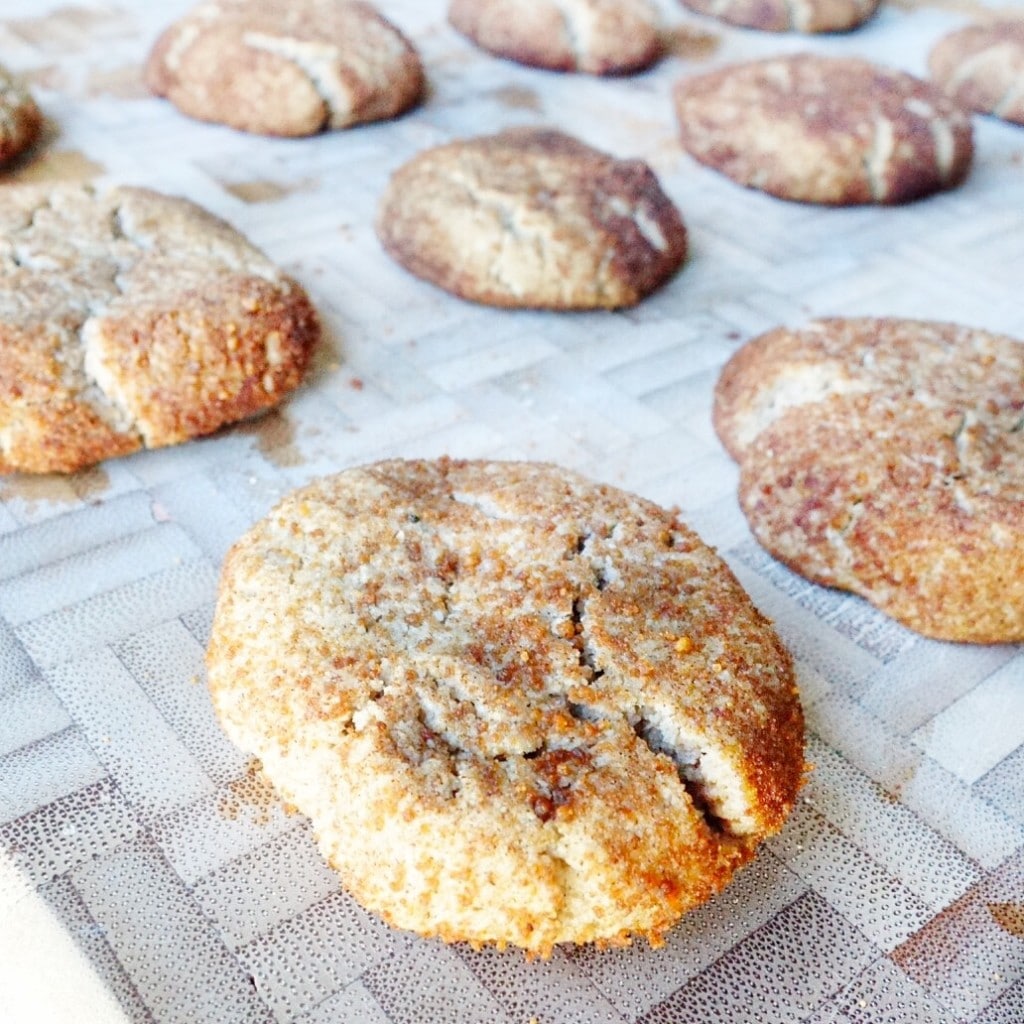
(886, 457)
(286, 67)
(132, 319)
(532, 218)
(831, 130)
(982, 67)
(809, 16)
(599, 37)
(518, 706)
(20, 118)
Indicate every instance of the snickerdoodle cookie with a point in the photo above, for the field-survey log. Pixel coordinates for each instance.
(600, 37)
(832, 130)
(520, 707)
(532, 218)
(982, 67)
(886, 457)
(809, 16)
(20, 118)
(286, 67)
(132, 319)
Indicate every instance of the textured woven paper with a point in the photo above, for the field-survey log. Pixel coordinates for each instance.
(146, 874)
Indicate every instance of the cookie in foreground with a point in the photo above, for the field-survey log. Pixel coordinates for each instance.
(982, 67)
(520, 707)
(532, 218)
(831, 130)
(286, 67)
(598, 37)
(886, 457)
(132, 319)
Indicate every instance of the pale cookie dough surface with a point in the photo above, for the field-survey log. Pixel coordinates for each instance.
(132, 319)
(532, 218)
(599, 37)
(518, 706)
(810, 16)
(286, 67)
(20, 118)
(982, 67)
(886, 457)
(831, 130)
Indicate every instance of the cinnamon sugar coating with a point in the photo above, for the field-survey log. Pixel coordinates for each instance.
(886, 457)
(519, 707)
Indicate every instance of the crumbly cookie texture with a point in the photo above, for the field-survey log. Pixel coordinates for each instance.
(532, 218)
(519, 707)
(132, 319)
(809, 16)
(831, 130)
(886, 457)
(286, 67)
(982, 67)
(600, 37)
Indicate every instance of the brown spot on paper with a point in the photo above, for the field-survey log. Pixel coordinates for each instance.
(275, 438)
(1009, 917)
(61, 165)
(250, 794)
(516, 97)
(691, 43)
(266, 191)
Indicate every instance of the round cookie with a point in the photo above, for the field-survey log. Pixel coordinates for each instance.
(20, 119)
(286, 67)
(886, 457)
(831, 130)
(131, 319)
(532, 218)
(809, 16)
(520, 707)
(599, 37)
(982, 68)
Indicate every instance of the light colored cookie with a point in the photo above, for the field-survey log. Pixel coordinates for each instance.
(519, 707)
(600, 37)
(131, 319)
(286, 67)
(20, 118)
(810, 16)
(833, 130)
(532, 218)
(886, 457)
(982, 67)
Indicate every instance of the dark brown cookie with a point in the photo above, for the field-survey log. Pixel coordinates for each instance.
(831, 130)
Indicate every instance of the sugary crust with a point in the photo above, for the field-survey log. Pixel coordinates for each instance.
(810, 16)
(532, 218)
(886, 457)
(518, 706)
(982, 68)
(599, 37)
(831, 130)
(286, 67)
(131, 319)
(20, 118)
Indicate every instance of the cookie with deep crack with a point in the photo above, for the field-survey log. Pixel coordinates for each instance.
(831, 130)
(132, 319)
(520, 707)
(886, 457)
(808, 16)
(532, 218)
(286, 67)
(20, 119)
(982, 67)
(599, 37)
